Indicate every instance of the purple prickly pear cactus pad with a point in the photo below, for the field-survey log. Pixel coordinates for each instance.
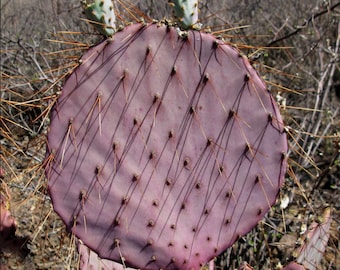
(163, 150)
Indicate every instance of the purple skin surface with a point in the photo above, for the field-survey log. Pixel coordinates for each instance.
(294, 266)
(164, 150)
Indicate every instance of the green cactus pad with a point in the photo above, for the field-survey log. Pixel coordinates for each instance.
(186, 12)
(101, 14)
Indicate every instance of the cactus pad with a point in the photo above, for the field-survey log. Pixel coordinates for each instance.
(101, 15)
(186, 12)
(164, 149)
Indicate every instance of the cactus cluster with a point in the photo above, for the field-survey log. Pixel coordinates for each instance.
(164, 148)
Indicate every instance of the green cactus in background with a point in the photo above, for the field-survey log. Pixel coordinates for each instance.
(102, 16)
(186, 12)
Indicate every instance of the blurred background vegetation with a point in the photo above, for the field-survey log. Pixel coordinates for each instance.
(293, 44)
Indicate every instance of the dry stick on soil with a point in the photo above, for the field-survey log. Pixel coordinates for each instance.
(322, 93)
(306, 23)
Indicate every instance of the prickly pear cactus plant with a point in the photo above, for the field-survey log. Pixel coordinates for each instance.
(164, 148)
